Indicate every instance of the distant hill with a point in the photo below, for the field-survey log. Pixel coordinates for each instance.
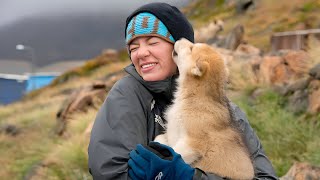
(56, 38)
(21, 67)
(14, 67)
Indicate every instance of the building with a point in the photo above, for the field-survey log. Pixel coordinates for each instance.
(296, 40)
(38, 80)
(15, 82)
(12, 87)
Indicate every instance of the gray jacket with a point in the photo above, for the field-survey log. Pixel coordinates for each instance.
(132, 114)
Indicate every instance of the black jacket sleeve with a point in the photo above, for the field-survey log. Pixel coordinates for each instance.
(262, 166)
(120, 124)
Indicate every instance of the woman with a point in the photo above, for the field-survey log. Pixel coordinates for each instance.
(121, 144)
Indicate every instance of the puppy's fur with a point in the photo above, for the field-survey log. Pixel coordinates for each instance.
(199, 126)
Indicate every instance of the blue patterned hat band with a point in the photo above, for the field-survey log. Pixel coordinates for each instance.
(145, 24)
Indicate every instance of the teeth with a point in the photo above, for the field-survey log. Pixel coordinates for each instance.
(148, 65)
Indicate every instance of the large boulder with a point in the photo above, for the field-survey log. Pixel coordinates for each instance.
(268, 68)
(298, 62)
(79, 100)
(298, 101)
(315, 72)
(314, 97)
(302, 171)
(234, 38)
(285, 68)
(84, 98)
(247, 50)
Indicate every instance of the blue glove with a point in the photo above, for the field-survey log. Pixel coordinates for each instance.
(158, 161)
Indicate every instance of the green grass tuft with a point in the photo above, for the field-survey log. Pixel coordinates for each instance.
(286, 137)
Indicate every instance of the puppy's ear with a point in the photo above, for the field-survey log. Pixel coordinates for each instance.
(200, 68)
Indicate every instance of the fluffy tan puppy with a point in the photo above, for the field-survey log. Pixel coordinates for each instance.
(200, 127)
(203, 34)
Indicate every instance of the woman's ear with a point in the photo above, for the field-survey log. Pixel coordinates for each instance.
(200, 68)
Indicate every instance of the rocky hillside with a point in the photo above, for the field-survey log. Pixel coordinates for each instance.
(260, 18)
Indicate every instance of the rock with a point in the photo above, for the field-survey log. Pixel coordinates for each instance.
(255, 62)
(257, 93)
(267, 68)
(280, 74)
(298, 62)
(111, 54)
(314, 102)
(83, 98)
(243, 5)
(280, 89)
(79, 101)
(300, 84)
(302, 171)
(247, 50)
(298, 102)
(9, 129)
(315, 72)
(314, 97)
(234, 38)
(314, 85)
(284, 68)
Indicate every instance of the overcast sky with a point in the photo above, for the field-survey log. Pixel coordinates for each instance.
(13, 10)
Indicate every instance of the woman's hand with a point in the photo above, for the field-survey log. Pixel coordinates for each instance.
(157, 161)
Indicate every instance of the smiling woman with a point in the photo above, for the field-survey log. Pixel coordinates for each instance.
(121, 144)
(151, 56)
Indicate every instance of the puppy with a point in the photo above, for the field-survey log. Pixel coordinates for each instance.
(199, 123)
(203, 34)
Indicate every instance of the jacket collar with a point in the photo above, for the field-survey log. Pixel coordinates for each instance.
(164, 87)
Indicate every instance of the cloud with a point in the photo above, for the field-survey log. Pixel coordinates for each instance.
(13, 10)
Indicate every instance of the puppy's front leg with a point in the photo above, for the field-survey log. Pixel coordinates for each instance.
(162, 138)
(187, 153)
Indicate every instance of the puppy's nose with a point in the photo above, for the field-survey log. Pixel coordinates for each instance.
(174, 53)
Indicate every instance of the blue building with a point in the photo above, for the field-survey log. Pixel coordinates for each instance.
(38, 80)
(15, 82)
(12, 87)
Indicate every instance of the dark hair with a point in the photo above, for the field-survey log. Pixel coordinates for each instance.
(175, 21)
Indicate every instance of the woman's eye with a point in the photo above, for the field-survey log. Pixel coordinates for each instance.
(153, 43)
(133, 49)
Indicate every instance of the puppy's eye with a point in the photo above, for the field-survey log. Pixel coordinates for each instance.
(191, 48)
(174, 53)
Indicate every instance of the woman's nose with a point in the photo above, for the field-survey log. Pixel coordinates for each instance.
(143, 51)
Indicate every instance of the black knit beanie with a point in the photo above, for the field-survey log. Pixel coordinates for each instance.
(176, 22)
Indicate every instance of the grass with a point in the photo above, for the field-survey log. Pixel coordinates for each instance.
(62, 157)
(33, 142)
(286, 137)
(69, 159)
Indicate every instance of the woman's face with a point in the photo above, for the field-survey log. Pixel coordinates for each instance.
(152, 58)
